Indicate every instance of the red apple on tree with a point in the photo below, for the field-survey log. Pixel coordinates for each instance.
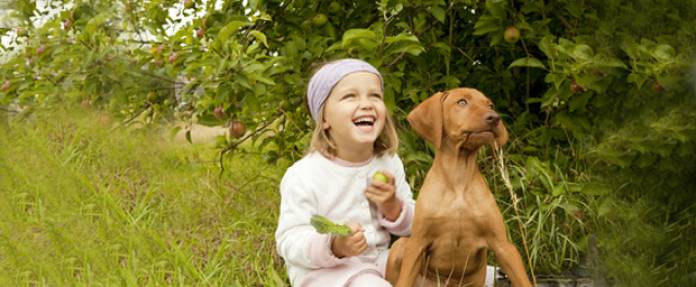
(40, 49)
(219, 112)
(5, 86)
(576, 88)
(657, 87)
(237, 129)
(172, 58)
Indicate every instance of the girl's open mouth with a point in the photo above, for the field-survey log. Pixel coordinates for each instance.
(364, 123)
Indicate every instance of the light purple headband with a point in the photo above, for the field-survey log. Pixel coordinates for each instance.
(328, 76)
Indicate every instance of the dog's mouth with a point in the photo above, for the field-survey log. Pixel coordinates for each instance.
(482, 133)
(474, 139)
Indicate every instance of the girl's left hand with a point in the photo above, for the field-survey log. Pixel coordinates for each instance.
(384, 196)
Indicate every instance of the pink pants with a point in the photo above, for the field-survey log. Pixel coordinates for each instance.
(368, 280)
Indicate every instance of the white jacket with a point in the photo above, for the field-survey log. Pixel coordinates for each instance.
(318, 185)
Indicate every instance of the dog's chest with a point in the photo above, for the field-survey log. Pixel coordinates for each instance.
(458, 216)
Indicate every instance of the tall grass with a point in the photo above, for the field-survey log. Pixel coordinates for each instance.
(84, 204)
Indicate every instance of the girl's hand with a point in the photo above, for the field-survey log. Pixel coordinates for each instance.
(351, 245)
(384, 196)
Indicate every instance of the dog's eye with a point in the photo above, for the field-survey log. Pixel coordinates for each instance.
(462, 102)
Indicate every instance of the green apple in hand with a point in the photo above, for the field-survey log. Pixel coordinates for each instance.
(379, 176)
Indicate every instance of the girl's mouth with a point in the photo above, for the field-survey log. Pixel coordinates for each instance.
(365, 123)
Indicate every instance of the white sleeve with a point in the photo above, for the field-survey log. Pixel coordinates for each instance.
(294, 233)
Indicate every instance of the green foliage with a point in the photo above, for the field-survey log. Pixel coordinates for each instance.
(597, 95)
(84, 204)
(324, 225)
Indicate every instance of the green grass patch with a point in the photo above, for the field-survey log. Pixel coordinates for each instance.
(82, 203)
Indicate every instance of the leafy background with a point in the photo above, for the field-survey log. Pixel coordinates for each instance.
(598, 97)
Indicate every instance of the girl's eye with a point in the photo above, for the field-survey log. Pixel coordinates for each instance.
(348, 96)
(377, 95)
(462, 102)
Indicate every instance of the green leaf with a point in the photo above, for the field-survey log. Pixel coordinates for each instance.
(260, 37)
(209, 120)
(664, 53)
(439, 13)
(324, 225)
(527, 62)
(359, 38)
(262, 79)
(579, 101)
(403, 43)
(556, 79)
(230, 28)
(96, 22)
(582, 52)
(496, 8)
(487, 24)
(637, 78)
(609, 62)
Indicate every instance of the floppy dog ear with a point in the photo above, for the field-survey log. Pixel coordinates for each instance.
(426, 119)
(502, 134)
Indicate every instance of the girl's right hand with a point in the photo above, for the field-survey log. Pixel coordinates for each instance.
(351, 245)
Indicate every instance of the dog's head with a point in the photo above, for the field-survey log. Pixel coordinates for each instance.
(462, 116)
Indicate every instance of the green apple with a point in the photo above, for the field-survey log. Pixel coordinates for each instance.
(379, 176)
(335, 7)
(512, 35)
(319, 20)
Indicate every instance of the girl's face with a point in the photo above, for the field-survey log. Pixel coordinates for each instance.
(354, 112)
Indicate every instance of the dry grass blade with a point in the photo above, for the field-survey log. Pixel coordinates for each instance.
(498, 154)
(466, 264)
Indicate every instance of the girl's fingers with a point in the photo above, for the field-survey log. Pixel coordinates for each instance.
(382, 186)
(362, 248)
(355, 228)
(376, 195)
(379, 192)
(356, 237)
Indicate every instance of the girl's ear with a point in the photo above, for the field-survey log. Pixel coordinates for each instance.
(325, 125)
(426, 119)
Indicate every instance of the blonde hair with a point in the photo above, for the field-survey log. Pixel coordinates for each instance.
(387, 142)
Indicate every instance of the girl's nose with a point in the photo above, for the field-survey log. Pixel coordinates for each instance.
(366, 103)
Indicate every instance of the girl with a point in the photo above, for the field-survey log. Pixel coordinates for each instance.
(354, 138)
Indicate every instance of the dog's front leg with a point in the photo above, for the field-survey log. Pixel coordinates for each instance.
(412, 264)
(511, 262)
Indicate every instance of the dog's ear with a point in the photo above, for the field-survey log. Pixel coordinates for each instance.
(502, 134)
(426, 119)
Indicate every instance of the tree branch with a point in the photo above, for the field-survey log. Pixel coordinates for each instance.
(240, 141)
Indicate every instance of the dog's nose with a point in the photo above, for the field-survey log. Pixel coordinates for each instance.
(492, 118)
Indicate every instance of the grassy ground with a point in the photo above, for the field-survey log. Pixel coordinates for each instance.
(82, 204)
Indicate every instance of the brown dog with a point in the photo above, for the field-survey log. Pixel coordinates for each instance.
(456, 220)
